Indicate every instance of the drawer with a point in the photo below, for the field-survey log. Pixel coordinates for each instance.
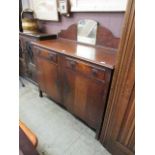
(51, 56)
(85, 68)
(70, 63)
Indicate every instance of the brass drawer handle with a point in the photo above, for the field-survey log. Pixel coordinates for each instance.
(94, 71)
(53, 57)
(72, 64)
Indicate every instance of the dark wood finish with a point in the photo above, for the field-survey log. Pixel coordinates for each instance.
(27, 60)
(97, 55)
(118, 132)
(76, 75)
(70, 33)
(22, 60)
(83, 91)
(80, 86)
(25, 145)
(86, 69)
(38, 35)
(106, 38)
(27, 66)
(48, 74)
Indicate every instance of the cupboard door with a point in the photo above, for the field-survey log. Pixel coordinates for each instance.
(83, 97)
(40, 74)
(95, 103)
(52, 81)
(22, 62)
(28, 57)
(48, 78)
(68, 91)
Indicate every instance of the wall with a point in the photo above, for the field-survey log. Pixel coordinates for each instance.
(112, 21)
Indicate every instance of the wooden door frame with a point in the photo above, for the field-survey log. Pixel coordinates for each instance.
(122, 62)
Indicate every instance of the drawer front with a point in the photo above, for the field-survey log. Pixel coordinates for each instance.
(70, 63)
(32, 72)
(51, 56)
(85, 68)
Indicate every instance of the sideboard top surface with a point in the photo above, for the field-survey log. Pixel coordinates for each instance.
(38, 36)
(95, 54)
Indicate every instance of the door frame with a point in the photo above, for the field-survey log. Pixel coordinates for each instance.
(122, 62)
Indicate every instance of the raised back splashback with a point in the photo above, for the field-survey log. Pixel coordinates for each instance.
(104, 37)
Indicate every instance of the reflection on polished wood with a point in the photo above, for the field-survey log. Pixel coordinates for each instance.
(96, 54)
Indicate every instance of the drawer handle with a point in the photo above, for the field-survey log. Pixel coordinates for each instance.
(52, 57)
(36, 51)
(94, 71)
(72, 64)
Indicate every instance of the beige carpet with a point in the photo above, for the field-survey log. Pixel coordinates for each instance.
(58, 132)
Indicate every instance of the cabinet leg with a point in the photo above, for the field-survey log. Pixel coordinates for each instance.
(40, 93)
(21, 81)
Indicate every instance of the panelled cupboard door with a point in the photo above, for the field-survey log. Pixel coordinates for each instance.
(48, 78)
(83, 96)
(40, 73)
(22, 58)
(28, 57)
(68, 89)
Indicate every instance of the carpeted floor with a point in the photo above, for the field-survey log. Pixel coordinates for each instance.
(58, 132)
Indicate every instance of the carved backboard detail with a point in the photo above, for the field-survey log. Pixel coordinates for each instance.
(104, 36)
